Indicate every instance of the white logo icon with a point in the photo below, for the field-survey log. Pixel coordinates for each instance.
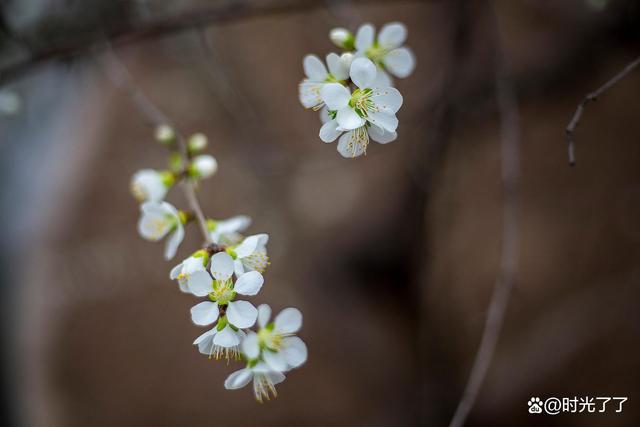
(535, 405)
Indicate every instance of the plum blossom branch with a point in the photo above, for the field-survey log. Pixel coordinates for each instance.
(593, 97)
(121, 77)
(510, 171)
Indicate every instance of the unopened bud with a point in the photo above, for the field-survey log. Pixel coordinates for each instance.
(341, 37)
(197, 142)
(165, 134)
(203, 166)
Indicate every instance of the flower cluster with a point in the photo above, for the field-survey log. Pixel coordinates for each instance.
(227, 269)
(354, 90)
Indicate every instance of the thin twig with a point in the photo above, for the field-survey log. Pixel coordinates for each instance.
(121, 77)
(593, 97)
(510, 147)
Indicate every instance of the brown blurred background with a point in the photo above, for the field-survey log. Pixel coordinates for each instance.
(391, 257)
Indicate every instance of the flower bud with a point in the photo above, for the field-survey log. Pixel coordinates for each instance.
(346, 59)
(165, 134)
(197, 142)
(341, 37)
(203, 166)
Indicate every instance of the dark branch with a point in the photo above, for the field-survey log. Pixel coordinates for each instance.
(229, 12)
(510, 168)
(593, 97)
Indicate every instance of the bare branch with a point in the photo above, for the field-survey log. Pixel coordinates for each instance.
(510, 150)
(121, 77)
(592, 97)
(225, 13)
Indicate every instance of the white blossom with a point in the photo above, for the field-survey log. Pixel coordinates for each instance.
(276, 343)
(159, 219)
(221, 343)
(183, 271)
(204, 166)
(221, 290)
(353, 143)
(317, 76)
(368, 112)
(250, 254)
(227, 231)
(264, 380)
(151, 185)
(387, 52)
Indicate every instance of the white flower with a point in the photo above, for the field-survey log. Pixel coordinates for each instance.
(318, 76)
(366, 105)
(251, 254)
(264, 380)
(159, 219)
(150, 185)
(276, 343)
(221, 342)
(203, 166)
(387, 51)
(183, 271)
(222, 292)
(227, 232)
(352, 143)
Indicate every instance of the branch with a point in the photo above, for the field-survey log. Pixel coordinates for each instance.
(510, 148)
(593, 97)
(121, 77)
(228, 12)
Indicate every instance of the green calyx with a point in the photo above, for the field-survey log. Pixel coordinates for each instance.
(231, 252)
(184, 217)
(222, 323)
(175, 163)
(349, 43)
(168, 178)
(332, 114)
(212, 224)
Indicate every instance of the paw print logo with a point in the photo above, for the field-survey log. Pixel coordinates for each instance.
(535, 405)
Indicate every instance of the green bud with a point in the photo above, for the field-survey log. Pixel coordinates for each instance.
(197, 142)
(165, 135)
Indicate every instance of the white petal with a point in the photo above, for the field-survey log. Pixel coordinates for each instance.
(352, 144)
(264, 313)
(309, 93)
(386, 121)
(335, 96)
(238, 379)
(192, 264)
(400, 62)
(294, 351)
(226, 338)
(238, 267)
(200, 283)
(380, 135)
(221, 266)
(392, 35)
(383, 79)
(364, 37)
(348, 119)
(249, 283)
(329, 131)
(314, 68)
(337, 67)
(207, 335)
(288, 321)
(276, 361)
(184, 286)
(251, 346)
(204, 313)
(324, 115)
(387, 99)
(175, 272)
(248, 245)
(363, 72)
(174, 240)
(152, 227)
(241, 314)
(233, 224)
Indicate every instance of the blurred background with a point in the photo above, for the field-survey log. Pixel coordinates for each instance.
(391, 257)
